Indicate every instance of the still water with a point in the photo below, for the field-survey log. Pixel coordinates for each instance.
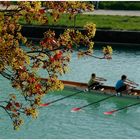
(56, 120)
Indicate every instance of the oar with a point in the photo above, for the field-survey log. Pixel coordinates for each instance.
(101, 79)
(79, 108)
(132, 82)
(113, 111)
(46, 104)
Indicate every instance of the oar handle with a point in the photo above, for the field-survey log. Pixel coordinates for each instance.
(132, 82)
(97, 101)
(65, 97)
(102, 79)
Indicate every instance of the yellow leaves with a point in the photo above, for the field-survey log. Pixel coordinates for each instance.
(78, 6)
(65, 69)
(1, 21)
(37, 100)
(57, 67)
(16, 85)
(27, 59)
(84, 53)
(61, 72)
(91, 45)
(108, 50)
(24, 40)
(34, 113)
(12, 108)
(18, 27)
(49, 34)
(17, 123)
(91, 29)
(68, 56)
(1, 66)
(42, 56)
(1, 16)
(31, 111)
(12, 27)
(24, 76)
(61, 86)
(80, 54)
(18, 58)
(11, 53)
(56, 84)
(32, 12)
(20, 37)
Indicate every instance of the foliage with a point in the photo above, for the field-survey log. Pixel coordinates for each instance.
(120, 5)
(52, 54)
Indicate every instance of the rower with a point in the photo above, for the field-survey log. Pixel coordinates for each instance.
(123, 86)
(95, 83)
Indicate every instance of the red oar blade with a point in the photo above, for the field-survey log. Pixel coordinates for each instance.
(109, 112)
(46, 104)
(75, 109)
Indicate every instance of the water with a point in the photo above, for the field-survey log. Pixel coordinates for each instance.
(125, 61)
(56, 120)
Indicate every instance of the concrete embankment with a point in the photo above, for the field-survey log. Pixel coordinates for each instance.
(108, 36)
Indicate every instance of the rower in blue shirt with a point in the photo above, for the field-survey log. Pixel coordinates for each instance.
(123, 85)
(120, 85)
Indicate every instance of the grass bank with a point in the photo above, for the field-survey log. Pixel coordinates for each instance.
(101, 21)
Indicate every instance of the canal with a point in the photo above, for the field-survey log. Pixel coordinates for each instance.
(57, 121)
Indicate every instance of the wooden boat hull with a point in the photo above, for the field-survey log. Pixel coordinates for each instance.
(109, 90)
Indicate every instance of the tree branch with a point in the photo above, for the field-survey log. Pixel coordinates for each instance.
(6, 112)
(96, 56)
(45, 52)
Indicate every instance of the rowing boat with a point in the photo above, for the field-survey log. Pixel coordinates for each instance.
(109, 90)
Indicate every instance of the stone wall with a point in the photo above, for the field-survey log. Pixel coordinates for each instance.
(112, 36)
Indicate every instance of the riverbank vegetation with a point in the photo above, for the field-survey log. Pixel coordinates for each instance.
(119, 5)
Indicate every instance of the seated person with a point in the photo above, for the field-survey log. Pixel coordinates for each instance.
(122, 85)
(94, 83)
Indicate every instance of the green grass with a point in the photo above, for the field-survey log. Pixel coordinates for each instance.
(101, 21)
